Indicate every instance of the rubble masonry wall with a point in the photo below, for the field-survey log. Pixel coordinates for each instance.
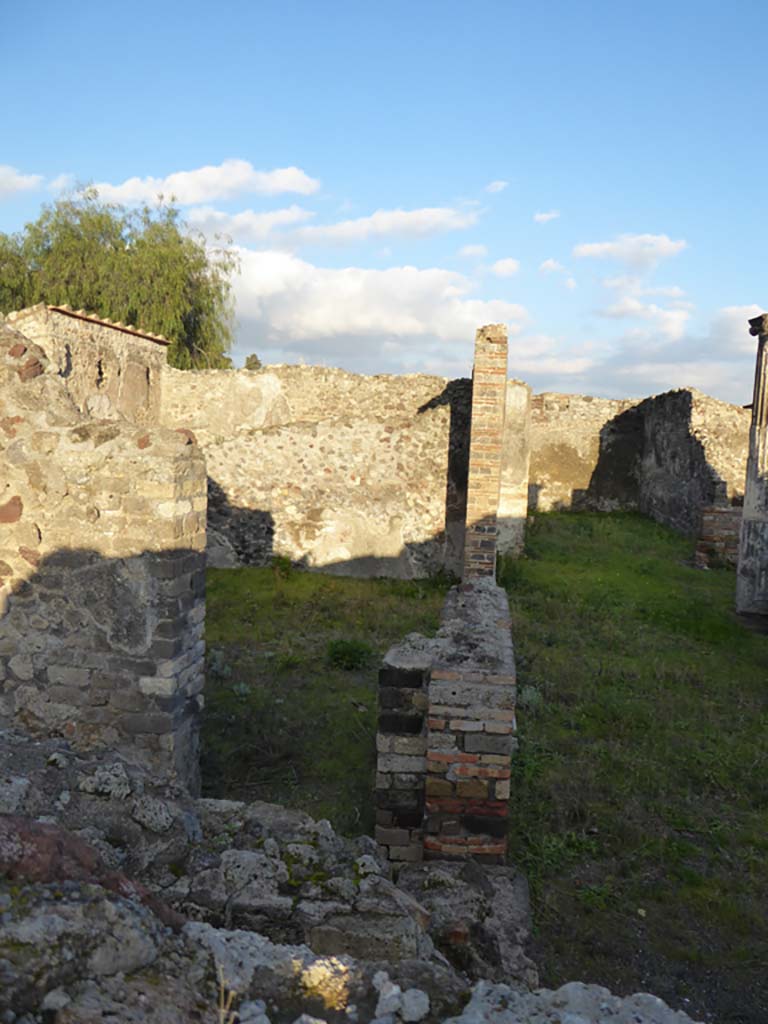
(107, 370)
(353, 474)
(102, 537)
(668, 456)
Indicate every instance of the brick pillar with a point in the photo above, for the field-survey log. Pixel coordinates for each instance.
(489, 386)
(401, 745)
(752, 575)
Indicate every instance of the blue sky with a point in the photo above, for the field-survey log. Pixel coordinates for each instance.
(381, 168)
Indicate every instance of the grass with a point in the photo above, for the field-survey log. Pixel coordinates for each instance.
(291, 684)
(640, 792)
(640, 789)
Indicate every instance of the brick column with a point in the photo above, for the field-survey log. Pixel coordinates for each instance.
(489, 384)
(401, 746)
(752, 575)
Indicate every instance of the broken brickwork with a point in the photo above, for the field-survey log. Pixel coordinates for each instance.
(718, 541)
(447, 705)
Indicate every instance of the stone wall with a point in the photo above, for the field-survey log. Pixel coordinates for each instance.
(352, 474)
(566, 447)
(668, 456)
(102, 535)
(108, 369)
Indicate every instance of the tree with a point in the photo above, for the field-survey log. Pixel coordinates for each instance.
(141, 267)
(252, 362)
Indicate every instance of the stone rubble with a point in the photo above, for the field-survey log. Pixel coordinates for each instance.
(130, 901)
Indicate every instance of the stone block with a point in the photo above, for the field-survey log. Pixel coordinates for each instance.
(392, 722)
(410, 678)
(392, 836)
(483, 825)
(152, 724)
(409, 745)
(501, 789)
(477, 788)
(68, 675)
(411, 854)
(488, 744)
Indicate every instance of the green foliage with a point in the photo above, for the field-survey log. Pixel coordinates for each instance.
(282, 721)
(141, 266)
(349, 654)
(252, 362)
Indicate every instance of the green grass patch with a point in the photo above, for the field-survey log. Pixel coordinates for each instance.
(640, 792)
(291, 684)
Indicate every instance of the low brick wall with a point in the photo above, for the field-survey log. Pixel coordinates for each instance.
(446, 734)
(718, 542)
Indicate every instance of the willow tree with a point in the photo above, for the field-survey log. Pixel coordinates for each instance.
(141, 266)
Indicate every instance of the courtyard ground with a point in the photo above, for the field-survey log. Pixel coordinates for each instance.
(640, 789)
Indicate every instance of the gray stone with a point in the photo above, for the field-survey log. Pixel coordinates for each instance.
(13, 791)
(153, 814)
(109, 781)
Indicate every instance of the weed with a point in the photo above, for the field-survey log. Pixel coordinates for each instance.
(281, 721)
(349, 654)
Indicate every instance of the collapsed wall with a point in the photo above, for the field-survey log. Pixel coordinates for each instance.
(102, 537)
(334, 470)
(669, 456)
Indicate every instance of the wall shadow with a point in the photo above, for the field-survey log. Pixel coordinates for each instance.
(649, 460)
(237, 536)
(457, 395)
(108, 653)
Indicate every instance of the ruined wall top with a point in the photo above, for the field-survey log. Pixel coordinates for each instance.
(109, 369)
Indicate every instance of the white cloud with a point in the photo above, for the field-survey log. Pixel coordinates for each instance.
(12, 181)
(346, 315)
(205, 184)
(570, 283)
(543, 218)
(473, 251)
(669, 322)
(729, 330)
(551, 267)
(61, 183)
(635, 286)
(506, 267)
(246, 226)
(640, 251)
(496, 186)
(404, 223)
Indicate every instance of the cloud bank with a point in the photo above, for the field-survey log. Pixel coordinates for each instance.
(208, 184)
(13, 181)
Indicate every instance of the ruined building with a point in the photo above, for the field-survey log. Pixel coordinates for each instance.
(117, 471)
